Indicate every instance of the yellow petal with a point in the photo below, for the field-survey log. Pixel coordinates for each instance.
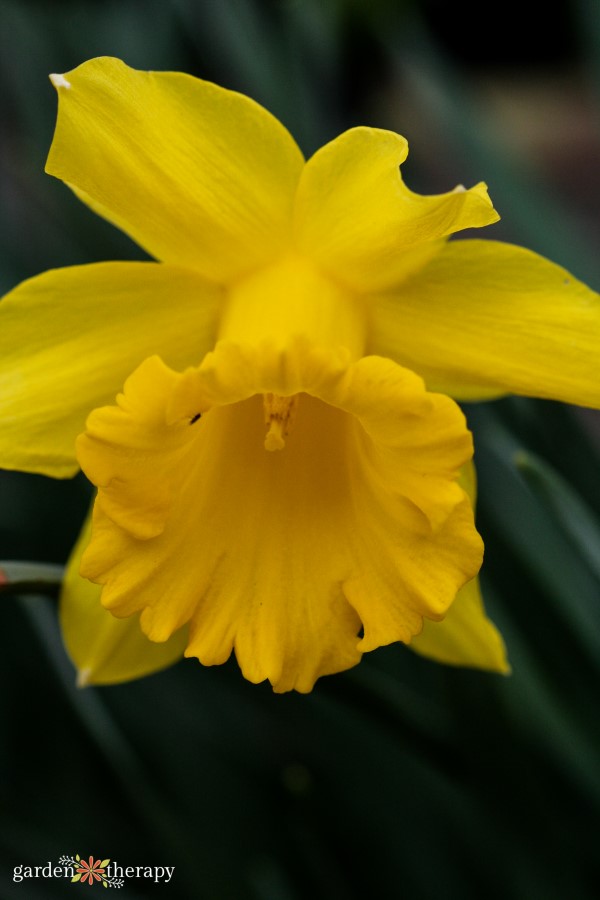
(356, 217)
(485, 318)
(68, 339)
(356, 521)
(466, 637)
(106, 650)
(198, 175)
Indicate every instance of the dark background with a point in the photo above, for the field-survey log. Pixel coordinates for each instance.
(401, 778)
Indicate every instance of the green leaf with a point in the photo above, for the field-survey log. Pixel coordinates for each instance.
(567, 508)
(20, 578)
(536, 538)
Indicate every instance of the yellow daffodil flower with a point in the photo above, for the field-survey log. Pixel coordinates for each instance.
(284, 472)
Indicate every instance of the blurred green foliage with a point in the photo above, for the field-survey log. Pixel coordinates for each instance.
(400, 778)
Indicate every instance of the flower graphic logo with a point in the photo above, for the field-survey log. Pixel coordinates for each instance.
(88, 871)
(91, 871)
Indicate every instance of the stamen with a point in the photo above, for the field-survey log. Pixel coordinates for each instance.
(280, 413)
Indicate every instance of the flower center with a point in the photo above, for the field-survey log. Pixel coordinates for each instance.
(280, 413)
(291, 299)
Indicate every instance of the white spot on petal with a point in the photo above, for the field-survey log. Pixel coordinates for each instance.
(83, 678)
(459, 189)
(59, 81)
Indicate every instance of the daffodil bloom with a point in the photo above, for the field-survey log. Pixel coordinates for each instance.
(285, 473)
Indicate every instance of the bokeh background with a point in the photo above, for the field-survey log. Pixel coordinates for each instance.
(401, 778)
